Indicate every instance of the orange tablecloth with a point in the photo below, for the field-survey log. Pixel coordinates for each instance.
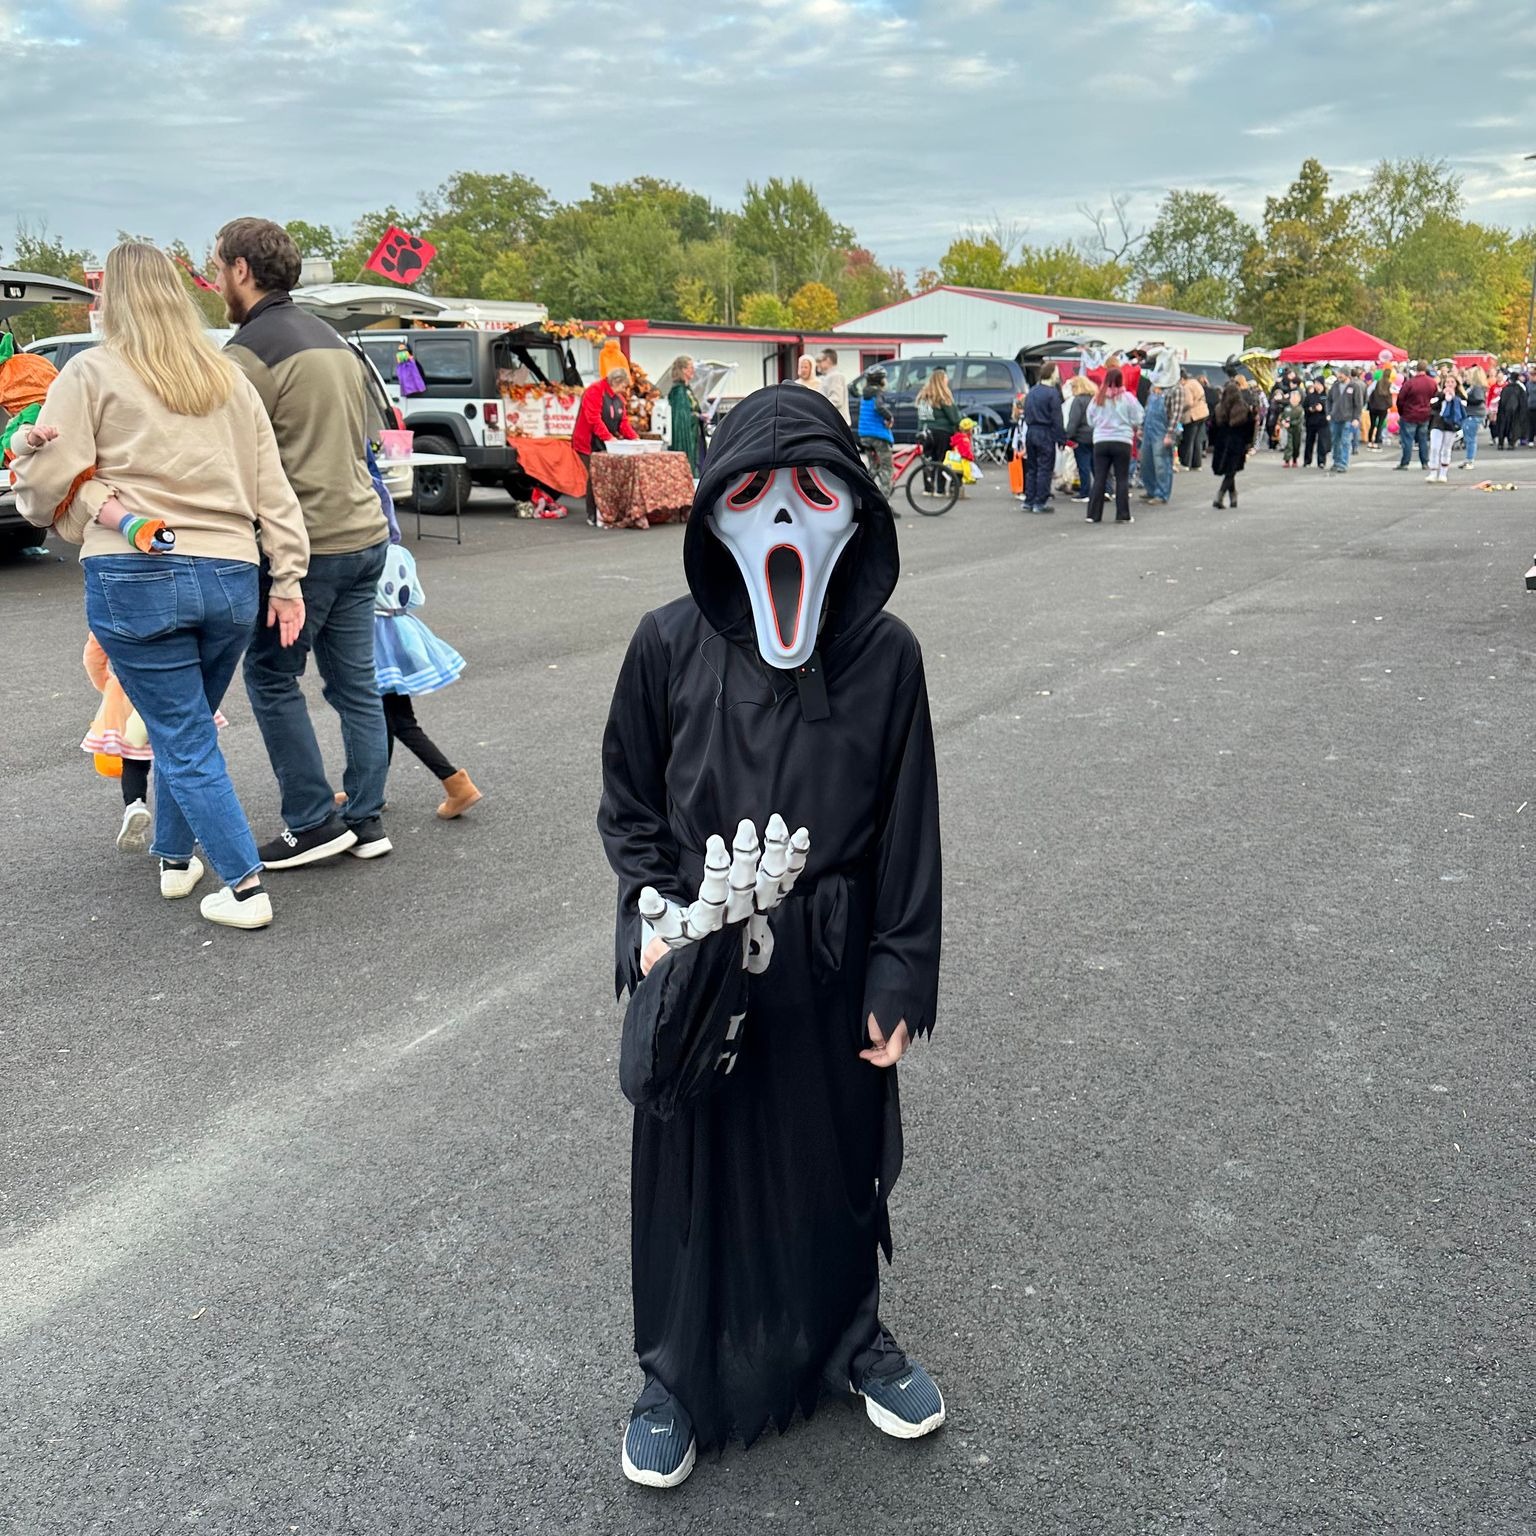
(634, 490)
(552, 462)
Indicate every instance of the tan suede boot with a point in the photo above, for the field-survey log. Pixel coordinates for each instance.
(461, 795)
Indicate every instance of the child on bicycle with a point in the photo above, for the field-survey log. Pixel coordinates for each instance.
(876, 421)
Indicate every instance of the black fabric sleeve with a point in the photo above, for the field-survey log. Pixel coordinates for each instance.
(902, 980)
(632, 815)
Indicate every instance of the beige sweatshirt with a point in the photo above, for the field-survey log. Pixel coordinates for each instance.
(215, 479)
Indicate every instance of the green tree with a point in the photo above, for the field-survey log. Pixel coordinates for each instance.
(1401, 195)
(1304, 275)
(690, 214)
(318, 240)
(767, 310)
(1443, 287)
(814, 307)
(972, 262)
(784, 224)
(722, 268)
(624, 265)
(1192, 256)
(696, 301)
(474, 219)
(1065, 270)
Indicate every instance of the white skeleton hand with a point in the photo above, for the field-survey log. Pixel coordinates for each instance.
(745, 887)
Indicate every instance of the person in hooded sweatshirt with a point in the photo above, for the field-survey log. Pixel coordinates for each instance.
(778, 692)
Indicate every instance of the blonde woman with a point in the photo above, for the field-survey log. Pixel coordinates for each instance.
(805, 373)
(1475, 382)
(683, 434)
(938, 417)
(157, 423)
(1080, 433)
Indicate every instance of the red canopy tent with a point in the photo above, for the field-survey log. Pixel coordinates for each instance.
(1346, 344)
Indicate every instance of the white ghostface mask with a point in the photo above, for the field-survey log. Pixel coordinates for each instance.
(786, 528)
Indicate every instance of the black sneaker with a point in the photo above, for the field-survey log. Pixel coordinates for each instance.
(659, 1449)
(294, 849)
(369, 841)
(900, 1397)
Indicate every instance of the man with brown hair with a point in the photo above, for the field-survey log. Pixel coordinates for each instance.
(315, 392)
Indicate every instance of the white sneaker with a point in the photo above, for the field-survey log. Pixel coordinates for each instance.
(1440, 479)
(1431, 477)
(225, 908)
(176, 883)
(133, 835)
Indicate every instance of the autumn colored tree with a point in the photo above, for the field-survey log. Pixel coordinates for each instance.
(814, 307)
(766, 310)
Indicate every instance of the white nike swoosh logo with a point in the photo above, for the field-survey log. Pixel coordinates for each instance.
(661, 1429)
(901, 1386)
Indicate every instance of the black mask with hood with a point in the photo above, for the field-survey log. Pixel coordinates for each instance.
(775, 428)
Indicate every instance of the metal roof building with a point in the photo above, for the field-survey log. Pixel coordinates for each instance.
(992, 321)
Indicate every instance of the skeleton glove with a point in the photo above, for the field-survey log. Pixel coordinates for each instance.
(742, 887)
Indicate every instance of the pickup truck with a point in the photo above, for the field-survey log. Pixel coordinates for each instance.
(19, 291)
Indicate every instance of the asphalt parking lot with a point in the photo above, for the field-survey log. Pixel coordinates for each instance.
(1216, 1215)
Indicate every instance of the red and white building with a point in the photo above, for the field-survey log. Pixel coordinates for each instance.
(986, 320)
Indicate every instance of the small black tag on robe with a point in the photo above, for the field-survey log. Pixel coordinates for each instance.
(812, 687)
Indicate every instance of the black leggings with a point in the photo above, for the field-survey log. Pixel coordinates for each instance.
(1111, 458)
(1228, 487)
(135, 780)
(400, 723)
(1378, 430)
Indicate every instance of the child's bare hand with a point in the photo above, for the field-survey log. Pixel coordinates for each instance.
(651, 954)
(886, 1053)
(40, 437)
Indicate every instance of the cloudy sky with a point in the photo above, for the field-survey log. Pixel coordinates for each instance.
(911, 117)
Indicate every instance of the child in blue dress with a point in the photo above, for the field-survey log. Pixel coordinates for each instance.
(409, 660)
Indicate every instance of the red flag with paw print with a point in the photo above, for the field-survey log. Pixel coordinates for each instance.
(401, 257)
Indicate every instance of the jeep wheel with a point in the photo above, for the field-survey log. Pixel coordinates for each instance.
(437, 485)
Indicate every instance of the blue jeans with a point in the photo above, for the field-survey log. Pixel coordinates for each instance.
(1083, 453)
(1469, 436)
(338, 628)
(1411, 432)
(1343, 441)
(173, 627)
(1156, 467)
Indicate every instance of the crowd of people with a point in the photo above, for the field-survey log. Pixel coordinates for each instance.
(1123, 420)
(1128, 420)
(230, 514)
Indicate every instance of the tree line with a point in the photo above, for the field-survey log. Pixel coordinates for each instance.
(1396, 257)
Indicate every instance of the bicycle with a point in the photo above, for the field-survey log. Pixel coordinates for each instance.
(931, 491)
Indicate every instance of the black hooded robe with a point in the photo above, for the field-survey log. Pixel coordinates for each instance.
(757, 1209)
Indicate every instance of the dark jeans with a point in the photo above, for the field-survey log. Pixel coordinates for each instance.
(1111, 458)
(1083, 453)
(1410, 432)
(173, 627)
(1039, 464)
(1192, 444)
(586, 464)
(1317, 442)
(400, 722)
(338, 628)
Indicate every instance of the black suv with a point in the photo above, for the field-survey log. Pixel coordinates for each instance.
(19, 291)
(984, 388)
(461, 412)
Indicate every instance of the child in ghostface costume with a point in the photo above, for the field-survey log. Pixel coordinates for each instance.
(778, 694)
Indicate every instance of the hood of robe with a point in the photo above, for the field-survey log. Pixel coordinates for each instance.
(779, 426)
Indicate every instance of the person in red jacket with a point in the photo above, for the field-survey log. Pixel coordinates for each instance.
(1415, 401)
(603, 416)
